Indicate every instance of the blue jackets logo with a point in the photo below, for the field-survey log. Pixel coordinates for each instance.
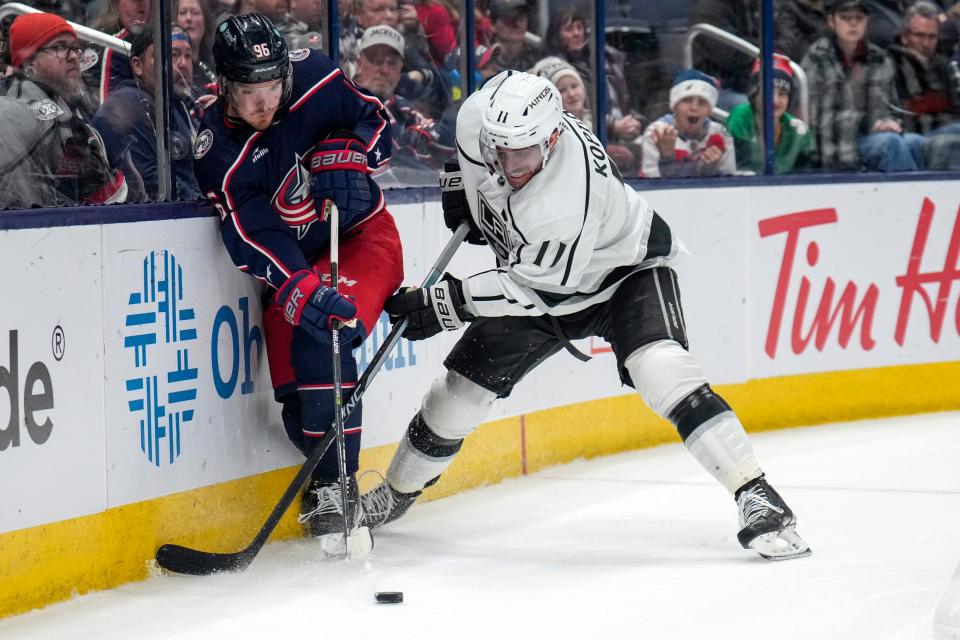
(159, 325)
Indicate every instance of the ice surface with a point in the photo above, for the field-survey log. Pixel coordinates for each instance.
(638, 545)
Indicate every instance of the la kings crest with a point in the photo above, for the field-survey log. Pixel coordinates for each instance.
(496, 228)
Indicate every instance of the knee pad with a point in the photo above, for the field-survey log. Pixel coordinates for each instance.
(664, 373)
(454, 406)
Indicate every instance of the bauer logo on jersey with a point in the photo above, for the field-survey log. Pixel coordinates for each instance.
(160, 334)
(203, 144)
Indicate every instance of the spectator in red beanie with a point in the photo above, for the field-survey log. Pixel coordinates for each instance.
(31, 31)
(46, 99)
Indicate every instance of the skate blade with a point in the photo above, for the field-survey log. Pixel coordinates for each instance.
(359, 544)
(785, 545)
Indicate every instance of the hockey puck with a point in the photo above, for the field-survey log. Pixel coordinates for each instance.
(389, 597)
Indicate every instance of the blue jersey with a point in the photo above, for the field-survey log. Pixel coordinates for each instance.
(259, 181)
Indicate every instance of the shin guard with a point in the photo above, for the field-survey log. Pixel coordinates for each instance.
(421, 457)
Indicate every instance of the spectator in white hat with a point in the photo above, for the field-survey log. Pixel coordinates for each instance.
(687, 142)
(569, 83)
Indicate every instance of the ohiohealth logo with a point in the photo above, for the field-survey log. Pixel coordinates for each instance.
(160, 328)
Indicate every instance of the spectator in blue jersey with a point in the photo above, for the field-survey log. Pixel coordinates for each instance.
(289, 134)
(104, 68)
(126, 118)
(196, 20)
(421, 145)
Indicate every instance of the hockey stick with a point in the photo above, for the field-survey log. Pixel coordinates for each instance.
(179, 559)
(337, 374)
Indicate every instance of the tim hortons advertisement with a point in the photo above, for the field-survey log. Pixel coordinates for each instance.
(51, 377)
(855, 277)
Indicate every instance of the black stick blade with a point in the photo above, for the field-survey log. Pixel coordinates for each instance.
(173, 557)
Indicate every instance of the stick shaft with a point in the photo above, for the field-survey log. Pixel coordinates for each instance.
(337, 373)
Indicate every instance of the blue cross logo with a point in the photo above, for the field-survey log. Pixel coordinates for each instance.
(159, 325)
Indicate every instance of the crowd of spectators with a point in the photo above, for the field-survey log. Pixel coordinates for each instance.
(883, 80)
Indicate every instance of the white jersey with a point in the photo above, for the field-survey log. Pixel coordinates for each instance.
(568, 238)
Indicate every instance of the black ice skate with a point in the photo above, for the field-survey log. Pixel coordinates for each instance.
(323, 513)
(767, 525)
(384, 504)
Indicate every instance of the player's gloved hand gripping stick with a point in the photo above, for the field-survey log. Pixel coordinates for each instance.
(430, 310)
(312, 306)
(179, 559)
(339, 173)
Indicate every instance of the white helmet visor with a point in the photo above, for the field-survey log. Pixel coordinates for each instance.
(511, 163)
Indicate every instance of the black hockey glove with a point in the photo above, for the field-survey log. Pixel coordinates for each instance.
(454, 201)
(338, 172)
(430, 311)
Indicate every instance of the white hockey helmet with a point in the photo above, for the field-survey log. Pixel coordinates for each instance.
(523, 112)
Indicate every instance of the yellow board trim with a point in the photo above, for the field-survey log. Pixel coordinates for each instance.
(53, 562)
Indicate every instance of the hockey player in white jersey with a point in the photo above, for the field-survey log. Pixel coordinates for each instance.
(580, 254)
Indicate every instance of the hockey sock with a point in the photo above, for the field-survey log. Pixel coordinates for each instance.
(722, 447)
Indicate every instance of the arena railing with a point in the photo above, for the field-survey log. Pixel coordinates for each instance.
(83, 32)
(710, 31)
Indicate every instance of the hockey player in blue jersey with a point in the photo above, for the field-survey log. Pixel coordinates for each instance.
(288, 133)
